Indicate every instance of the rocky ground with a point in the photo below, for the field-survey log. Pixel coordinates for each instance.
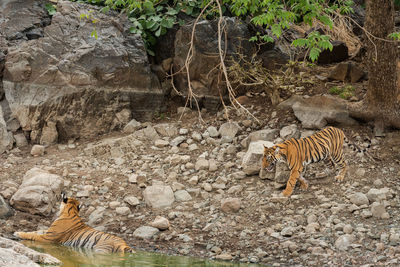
(176, 185)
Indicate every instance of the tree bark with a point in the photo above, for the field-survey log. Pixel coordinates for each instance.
(381, 102)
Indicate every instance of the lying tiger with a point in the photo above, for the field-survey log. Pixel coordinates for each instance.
(69, 229)
(297, 153)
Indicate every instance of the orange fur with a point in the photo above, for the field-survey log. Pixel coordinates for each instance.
(325, 144)
(69, 229)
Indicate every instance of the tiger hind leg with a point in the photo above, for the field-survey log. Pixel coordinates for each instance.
(342, 170)
(303, 182)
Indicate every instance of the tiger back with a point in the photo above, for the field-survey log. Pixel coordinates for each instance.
(297, 153)
(69, 229)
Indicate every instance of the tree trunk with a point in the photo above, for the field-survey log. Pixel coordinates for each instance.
(381, 101)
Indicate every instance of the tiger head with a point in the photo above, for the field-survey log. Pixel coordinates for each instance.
(271, 156)
(69, 206)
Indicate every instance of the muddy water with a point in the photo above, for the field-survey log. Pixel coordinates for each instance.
(77, 257)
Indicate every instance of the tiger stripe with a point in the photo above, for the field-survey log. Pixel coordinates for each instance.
(325, 144)
(69, 229)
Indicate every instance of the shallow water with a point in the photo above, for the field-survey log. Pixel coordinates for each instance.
(79, 257)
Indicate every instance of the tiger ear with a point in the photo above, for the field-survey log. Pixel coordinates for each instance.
(80, 206)
(64, 197)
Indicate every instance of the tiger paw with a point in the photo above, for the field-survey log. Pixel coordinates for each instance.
(339, 178)
(17, 234)
(286, 193)
(304, 186)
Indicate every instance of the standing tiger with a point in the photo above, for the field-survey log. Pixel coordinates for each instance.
(325, 144)
(69, 229)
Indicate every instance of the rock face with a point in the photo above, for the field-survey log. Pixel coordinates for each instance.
(207, 84)
(15, 254)
(76, 84)
(5, 210)
(38, 192)
(317, 111)
(145, 232)
(159, 196)
(6, 138)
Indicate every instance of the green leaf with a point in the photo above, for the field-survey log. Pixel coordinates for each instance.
(105, 9)
(314, 53)
(94, 34)
(51, 9)
(158, 32)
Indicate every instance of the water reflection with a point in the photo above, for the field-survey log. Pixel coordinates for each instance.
(72, 257)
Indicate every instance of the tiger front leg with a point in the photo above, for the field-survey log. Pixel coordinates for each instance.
(294, 175)
(34, 236)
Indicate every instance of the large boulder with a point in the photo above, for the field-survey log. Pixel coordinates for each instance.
(13, 253)
(205, 76)
(6, 138)
(23, 20)
(38, 192)
(159, 196)
(251, 162)
(81, 85)
(5, 210)
(317, 111)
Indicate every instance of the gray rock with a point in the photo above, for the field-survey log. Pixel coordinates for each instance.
(160, 223)
(344, 242)
(14, 254)
(166, 129)
(96, 216)
(262, 135)
(206, 83)
(132, 126)
(213, 131)
(49, 134)
(282, 173)
(202, 164)
(5, 210)
(177, 140)
(37, 150)
(20, 140)
(290, 131)
(131, 200)
(161, 143)
(197, 136)
(159, 196)
(66, 79)
(229, 129)
(251, 162)
(378, 211)
(316, 111)
(38, 192)
(229, 205)
(123, 211)
(359, 199)
(145, 232)
(6, 138)
(182, 196)
(378, 194)
(287, 231)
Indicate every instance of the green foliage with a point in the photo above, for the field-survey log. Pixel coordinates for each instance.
(395, 35)
(51, 9)
(152, 18)
(89, 17)
(344, 92)
(315, 43)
